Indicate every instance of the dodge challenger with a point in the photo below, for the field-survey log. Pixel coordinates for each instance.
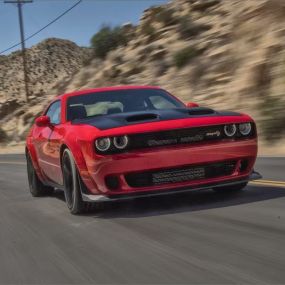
(124, 142)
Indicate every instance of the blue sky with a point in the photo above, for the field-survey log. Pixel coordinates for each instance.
(78, 25)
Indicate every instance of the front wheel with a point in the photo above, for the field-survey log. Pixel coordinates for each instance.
(71, 183)
(37, 188)
(231, 188)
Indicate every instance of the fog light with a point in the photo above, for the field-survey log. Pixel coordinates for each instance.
(103, 144)
(230, 130)
(245, 129)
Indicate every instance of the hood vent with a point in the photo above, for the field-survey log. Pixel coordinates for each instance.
(199, 111)
(141, 117)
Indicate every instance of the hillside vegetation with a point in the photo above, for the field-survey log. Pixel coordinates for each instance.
(223, 54)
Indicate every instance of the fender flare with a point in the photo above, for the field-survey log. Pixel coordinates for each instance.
(31, 151)
(81, 166)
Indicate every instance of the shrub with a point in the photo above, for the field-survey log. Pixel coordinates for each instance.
(134, 69)
(186, 28)
(108, 39)
(273, 118)
(3, 136)
(184, 56)
(204, 5)
(148, 30)
(165, 16)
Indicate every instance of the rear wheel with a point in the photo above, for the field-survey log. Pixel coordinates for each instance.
(37, 188)
(231, 188)
(71, 182)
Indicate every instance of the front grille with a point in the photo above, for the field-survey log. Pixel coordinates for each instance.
(178, 136)
(182, 136)
(181, 174)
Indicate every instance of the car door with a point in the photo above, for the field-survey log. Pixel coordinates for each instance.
(53, 152)
(48, 143)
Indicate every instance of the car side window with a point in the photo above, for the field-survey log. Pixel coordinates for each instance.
(54, 112)
(160, 102)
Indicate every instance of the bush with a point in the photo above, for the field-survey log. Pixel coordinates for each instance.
(108, 39)
(204, 5)
(3, 136)
(186, 28)
(273, 118)
(184, 56)
(147, 29)
(165, 16)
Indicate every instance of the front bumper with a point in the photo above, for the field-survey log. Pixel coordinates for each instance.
(103, 198)
(120, 165)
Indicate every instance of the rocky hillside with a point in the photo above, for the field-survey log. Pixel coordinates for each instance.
(50, 63)
(224, 54)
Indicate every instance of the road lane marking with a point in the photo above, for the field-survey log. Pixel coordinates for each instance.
(13, 162)
(268, 183)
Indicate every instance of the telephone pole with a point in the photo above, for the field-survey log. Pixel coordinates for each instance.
(22, 34)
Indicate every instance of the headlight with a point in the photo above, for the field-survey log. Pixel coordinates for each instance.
(245, 128)
(103, 144)
(230, 130)
(121, 142)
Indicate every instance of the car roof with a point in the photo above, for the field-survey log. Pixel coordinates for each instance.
(102, 89)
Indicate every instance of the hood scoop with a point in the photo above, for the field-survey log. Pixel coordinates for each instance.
(142, 117)
(200, 111)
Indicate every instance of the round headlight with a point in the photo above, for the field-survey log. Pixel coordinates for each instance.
(103, 144)
(230, 130)
(245, 129)
(121, 142)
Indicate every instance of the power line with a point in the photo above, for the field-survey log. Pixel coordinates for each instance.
(43, 28)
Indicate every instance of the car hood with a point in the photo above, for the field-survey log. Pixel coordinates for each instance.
(106, 122)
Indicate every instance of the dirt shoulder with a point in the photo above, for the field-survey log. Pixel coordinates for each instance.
(12, 149)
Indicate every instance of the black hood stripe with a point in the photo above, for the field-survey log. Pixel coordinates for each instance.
(106, 122)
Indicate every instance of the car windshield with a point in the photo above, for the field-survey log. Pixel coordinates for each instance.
(119, 101)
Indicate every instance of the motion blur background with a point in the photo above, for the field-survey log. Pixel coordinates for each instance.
(217, 53)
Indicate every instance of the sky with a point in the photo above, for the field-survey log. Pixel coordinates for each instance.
(79, 25)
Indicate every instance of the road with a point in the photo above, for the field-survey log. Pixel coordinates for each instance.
(199, 237)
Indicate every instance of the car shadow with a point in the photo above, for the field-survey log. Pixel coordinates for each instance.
(197, 200)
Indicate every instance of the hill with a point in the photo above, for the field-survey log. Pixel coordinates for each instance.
(223, 54)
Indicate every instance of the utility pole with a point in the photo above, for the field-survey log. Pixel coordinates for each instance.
(22, 33)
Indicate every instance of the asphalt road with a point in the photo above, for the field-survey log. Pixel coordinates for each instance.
(200, 237)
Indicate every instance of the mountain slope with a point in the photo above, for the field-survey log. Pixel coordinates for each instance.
(50, 63)
(223, 54)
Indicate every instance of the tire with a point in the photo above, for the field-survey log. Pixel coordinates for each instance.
(37, 188)
(71, 183)
(231, 188)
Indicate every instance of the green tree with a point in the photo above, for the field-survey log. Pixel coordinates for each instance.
(108, 39)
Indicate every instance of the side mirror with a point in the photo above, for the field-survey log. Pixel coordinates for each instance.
(192, 105)
(43, 121)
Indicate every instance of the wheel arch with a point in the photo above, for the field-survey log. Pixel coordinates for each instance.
(77, 155)
(81, 170)
(30, 150)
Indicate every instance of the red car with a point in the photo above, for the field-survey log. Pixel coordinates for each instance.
(131, 141)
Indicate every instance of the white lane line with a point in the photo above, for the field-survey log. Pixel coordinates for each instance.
(13, 162)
